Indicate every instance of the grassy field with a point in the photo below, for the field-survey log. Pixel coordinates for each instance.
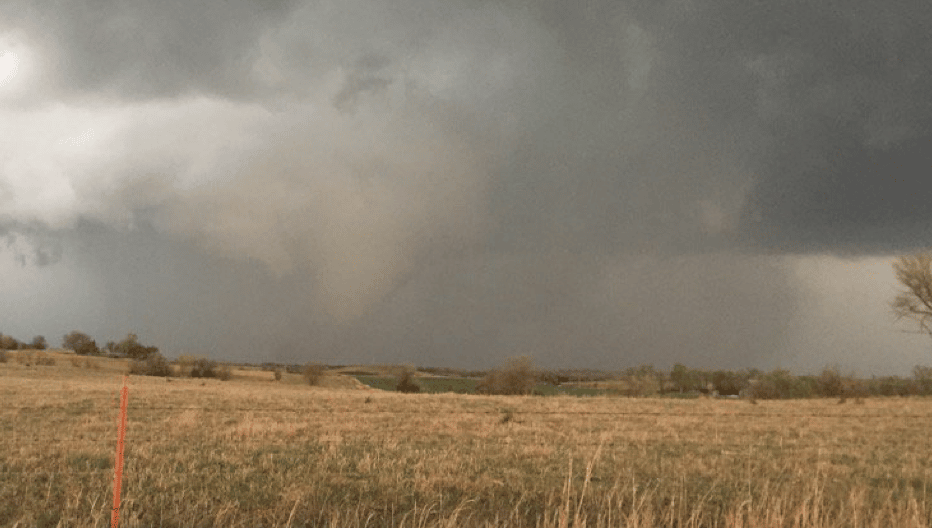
(252, 452)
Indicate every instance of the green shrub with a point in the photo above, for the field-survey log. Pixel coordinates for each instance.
(154, 365)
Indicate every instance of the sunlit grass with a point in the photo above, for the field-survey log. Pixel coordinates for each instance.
(254, 452)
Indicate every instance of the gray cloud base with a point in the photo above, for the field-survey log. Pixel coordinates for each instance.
(432, 182)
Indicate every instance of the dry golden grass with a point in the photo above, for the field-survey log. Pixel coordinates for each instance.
(251, 452)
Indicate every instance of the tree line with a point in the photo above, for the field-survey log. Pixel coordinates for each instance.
(130, 347)
(8, 342)
(84, 345)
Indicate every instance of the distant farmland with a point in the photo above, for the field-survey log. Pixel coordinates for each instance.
(255, 452)
(439, 385)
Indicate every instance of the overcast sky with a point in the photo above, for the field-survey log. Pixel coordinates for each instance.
(719, 183)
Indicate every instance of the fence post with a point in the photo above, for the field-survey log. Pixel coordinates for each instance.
(118, 471)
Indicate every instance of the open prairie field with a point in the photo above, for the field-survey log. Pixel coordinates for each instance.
(251, 452)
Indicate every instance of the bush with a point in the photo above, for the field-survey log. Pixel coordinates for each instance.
(9, 343)
(132, 348)
(406, 382)
(278, 374)
(780, 385)
(185, 364)
(81, 343)
(225, 372)
(923, 378)
(153, 365)
(831, 384)
(729, 383)
(203, 368)
(312, 373)
(38, 343)
(892, 386)
(3, 356)
(517, 377)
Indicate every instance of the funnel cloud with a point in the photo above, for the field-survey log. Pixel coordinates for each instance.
(454, 183)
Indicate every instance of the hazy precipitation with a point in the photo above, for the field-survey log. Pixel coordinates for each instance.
(9, 64)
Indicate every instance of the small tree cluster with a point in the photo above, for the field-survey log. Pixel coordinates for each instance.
(203, 368)
(312, 372)
(9, 343)
(80, 343)
(200, 367)
(516, 377)
(152, 365)
(406, 382)
(685, 379)
(132, 348)
(831, 384)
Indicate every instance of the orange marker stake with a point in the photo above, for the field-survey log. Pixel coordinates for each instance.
(118, 476)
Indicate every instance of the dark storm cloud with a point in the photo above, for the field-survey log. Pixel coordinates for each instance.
(365, 77)
(568, 309)
(836, 98)
(432, 182)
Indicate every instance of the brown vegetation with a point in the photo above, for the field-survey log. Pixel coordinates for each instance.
(152, 365)
(254, 453)
(915, 302)
(312, 373)
(515, 378)
(406, 381)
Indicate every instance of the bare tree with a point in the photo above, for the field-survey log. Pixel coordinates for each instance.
(915, 302)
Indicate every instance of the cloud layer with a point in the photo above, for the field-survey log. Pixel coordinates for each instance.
(439, 181)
